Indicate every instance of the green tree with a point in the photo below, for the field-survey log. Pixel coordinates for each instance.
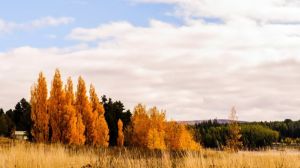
(114, 110)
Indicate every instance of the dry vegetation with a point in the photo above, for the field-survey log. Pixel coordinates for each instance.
(21, 154)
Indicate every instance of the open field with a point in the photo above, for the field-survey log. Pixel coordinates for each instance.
(20, 154)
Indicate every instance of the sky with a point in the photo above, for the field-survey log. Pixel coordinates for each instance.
(196, 59)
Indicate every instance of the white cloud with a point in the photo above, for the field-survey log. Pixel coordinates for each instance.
(278, 11)
(50, 21)
(195, 71)
(6, 26)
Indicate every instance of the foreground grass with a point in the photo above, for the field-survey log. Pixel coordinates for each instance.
(39, 155)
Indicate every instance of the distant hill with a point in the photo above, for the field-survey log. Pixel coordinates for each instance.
(220, 121)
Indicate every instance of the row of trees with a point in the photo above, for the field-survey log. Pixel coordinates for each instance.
(77, 119)
(234, 135)
(65, 117)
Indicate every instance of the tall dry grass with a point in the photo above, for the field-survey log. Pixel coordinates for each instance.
(55, 156)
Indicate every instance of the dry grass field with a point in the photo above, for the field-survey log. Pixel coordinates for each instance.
(21, 154)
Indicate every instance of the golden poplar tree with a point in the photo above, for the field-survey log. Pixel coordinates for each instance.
(73, 133)
(39, 114)
(156, 133)
(148, 128)
(84, 108)
(140, 126)
(120, 139)
(56, 105)
(100, 135)
(233, 142)
(178, 137)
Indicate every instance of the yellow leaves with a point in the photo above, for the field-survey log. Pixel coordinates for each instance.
(56, 108)
(100, 133)
(150, 129)
(156, 139)
(178, 137)
(73, 133)
(39, 114)
(77, 119)
(120, 139)
(141, 125)
(72, 121)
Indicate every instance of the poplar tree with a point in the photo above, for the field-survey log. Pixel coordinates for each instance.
(140, 126)
(100, 136)
(39, 114)
(156, 133)
(178, 137)
(56, 105)
(84, 108)
(73, 133)
(120, 139)
(233, 142)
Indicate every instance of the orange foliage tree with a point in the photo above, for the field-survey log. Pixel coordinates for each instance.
(150, 129)
(100, 135)
(56, 105)
(178, 137)
(73, 133)
(156, 133)
(39, 114)
(120, 139)
(140, 126)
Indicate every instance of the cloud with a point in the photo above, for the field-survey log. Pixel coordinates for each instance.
(50, 21)
(262, 11)
(197, 70)
(6, 26)
(193, 71)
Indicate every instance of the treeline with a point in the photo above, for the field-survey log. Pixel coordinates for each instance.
(17, 119)
(254, 135)
(78, 118)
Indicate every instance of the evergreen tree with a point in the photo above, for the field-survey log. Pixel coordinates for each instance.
(21, 117)
(114, 110)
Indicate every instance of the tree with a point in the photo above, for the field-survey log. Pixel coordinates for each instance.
(56, 105)
(140, 126)
(21, 116)
(84, 108)
(39, 114)
(114, 110)
(4, 128)
(150, 130)
(178, 137)
(10, 124)
(101, 132)
(233, 142)
(256, 136)
(156, 133)
(120, 140)
(73, 133)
